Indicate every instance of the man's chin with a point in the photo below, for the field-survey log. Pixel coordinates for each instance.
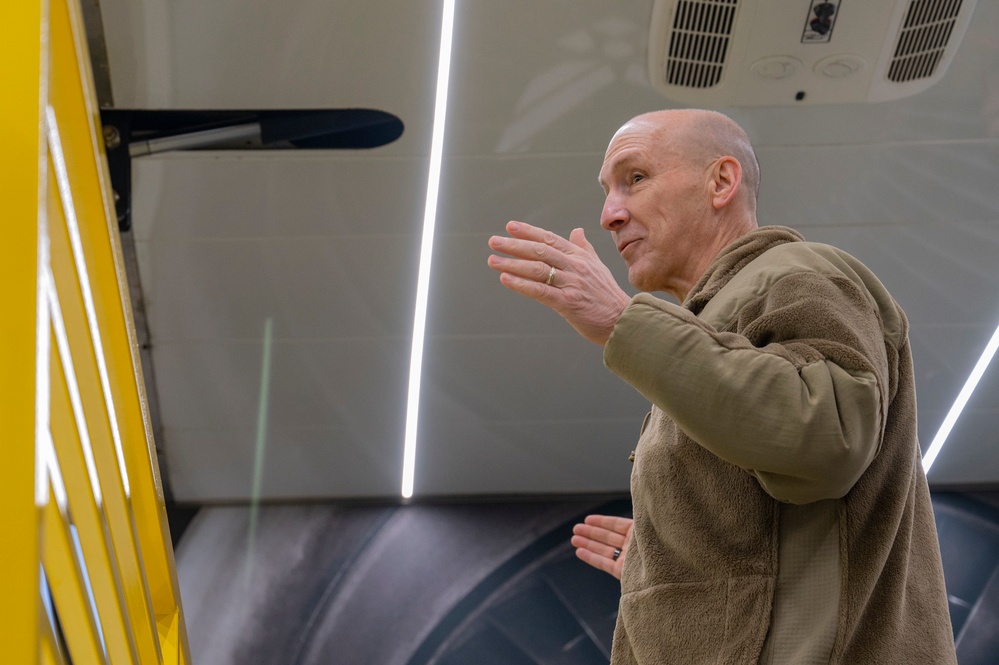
(645, 282)
(639, 280)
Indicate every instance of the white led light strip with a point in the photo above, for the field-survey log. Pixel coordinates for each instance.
(426, 250)
(66, 194)
(43, 437)
(962, 399)
(53, 473)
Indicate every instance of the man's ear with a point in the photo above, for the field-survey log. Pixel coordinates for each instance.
(726, 181)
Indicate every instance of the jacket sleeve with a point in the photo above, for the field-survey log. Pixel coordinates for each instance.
(797, 396)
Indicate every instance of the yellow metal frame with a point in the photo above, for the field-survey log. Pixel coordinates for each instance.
(81, 489)
(22, 177)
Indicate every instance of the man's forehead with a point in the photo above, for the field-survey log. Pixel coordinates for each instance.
(636, 139)
(620, 159)
(639, 127)
(628, 144)
(621, 156)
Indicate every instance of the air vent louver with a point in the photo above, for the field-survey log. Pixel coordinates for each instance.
(925, 34)
(699, 42)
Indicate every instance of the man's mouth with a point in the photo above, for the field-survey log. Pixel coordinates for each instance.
(625, 245)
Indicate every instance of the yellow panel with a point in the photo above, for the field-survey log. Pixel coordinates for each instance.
(138, 522)
(78, 114)
(168, 628)
(101, 563)
(69, 593)
(49, 655)
(20, 173)
(135, 509)
(95, 409)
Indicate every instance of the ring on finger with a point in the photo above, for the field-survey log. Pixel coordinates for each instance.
(617, 553)
(551, 276)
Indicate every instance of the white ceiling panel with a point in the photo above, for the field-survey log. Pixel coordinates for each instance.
(503, 378)
(227, 243)
(306, 193)
(322, 287)
(518, 456)
(319, 424)
(530, 187)
(546, 77)
(325, 244)
(942, 273)
(914, 184)
(256, 54)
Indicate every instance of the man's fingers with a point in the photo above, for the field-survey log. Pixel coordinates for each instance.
(528, 250)
(536, 234)
(581, 289)
(537, 271)
(598, 547)
(610, 538)
(621, 525)
(598, 562)
(597, 555)
(525, 287)
(578, 238)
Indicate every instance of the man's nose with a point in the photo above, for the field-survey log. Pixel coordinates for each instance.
(614, 214)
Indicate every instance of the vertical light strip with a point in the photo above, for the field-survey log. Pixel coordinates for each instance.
(42, 351)
(962, 399)
(42, 275)
(43, 437)
(69, 210)
(427, 250)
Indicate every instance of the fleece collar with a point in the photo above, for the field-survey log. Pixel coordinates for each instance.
(734, 258)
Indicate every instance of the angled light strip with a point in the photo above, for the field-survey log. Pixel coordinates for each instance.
(427, 250)
(258, 458)
(69, 211)
(53, 473)
(962, 399)
(62, 343)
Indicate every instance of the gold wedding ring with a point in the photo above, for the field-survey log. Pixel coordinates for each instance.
(551, 276)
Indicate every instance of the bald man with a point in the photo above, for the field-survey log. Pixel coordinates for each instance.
(781, 513)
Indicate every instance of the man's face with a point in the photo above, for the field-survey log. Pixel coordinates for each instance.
(655, 208)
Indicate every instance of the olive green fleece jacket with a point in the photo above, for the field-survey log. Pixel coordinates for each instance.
(781, 510)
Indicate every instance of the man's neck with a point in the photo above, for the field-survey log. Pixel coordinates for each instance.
(728, 233)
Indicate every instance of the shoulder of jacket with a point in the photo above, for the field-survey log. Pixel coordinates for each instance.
(793, 258)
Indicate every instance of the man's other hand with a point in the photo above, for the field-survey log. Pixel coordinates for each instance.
(597, 540)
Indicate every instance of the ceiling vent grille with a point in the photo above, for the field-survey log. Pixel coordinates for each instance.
(699, 42)
(720, 53)
(923, 38)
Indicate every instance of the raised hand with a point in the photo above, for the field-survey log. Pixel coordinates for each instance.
(566, 275)
(602, 541)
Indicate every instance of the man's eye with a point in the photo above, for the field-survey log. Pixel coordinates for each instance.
(637, 178)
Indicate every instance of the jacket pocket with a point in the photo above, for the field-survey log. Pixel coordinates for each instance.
(715, 622)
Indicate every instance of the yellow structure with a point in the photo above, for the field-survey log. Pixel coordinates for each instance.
(88, 574)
